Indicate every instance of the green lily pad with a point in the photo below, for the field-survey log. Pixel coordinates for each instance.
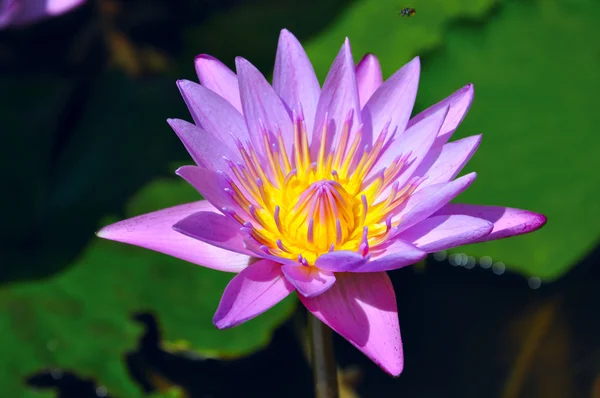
(81, 319)
(536, 83)
(375, 26)
(536, 94)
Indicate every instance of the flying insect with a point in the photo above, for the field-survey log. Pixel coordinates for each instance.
(407, 12)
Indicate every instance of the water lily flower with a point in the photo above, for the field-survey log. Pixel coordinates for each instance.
(22, 12)
(320, 190)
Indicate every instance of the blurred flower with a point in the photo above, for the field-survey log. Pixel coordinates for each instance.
(22, 12)
(320, 190)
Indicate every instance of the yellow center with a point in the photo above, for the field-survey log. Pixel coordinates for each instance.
(313, 202)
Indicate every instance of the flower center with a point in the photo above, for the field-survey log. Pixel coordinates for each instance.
(321, 217)
(318, 198)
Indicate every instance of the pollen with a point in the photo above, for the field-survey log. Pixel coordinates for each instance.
(320, 197)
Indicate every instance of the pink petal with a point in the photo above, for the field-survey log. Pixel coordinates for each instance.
(362, 308)
(507, 221)
(368, 77)
(418, 139)
(207, 150)
(444, 232)
(396, 255)
(215, 229)
(215, 76)
(427, 201)
(308, 281)
(213, 113)
(339, 98)
(443, 164)
(57, 7)
(154, 231)
(459, 103)
(294, 78)
(340, 261)
(21, 12)
(393, 101)
(250, 293)
(212, 186)
(262, 106)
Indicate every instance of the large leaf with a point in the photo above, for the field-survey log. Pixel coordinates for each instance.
(81, 319)
(375, 26)
(536, 82)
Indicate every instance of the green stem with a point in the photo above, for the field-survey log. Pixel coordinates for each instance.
(323, 359)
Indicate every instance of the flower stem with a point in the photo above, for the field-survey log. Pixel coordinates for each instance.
(323, 359)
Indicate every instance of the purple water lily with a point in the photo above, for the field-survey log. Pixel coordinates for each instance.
(320, 190)
(22, 12)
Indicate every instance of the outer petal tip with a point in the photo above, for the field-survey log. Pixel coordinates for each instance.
(539, 221)
(415, 67)
(202, 57)
(241, 61)
(468, 92)
(182, 84)
(102, 233)
(392, 364)
(221, 324)
(371, 60)
(370, 57)
(285, 33)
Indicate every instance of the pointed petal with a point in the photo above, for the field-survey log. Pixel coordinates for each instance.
(393, 101)
(444, 232)
(362, 308)
(213, 113)
(396, 255)
(308, 281)
(261, 104)
(214, 229)
(339, 96)
(207, 150)
(294, 78)
(217, 77)
(444, 164)
(507, 221)
(250, 293)
(459, 103)
(418, 139)
(154, 231)
(211, 185)
(427, 201)
(340, 261)
(368, 77)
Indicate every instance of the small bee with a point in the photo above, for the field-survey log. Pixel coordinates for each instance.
(408, 12)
